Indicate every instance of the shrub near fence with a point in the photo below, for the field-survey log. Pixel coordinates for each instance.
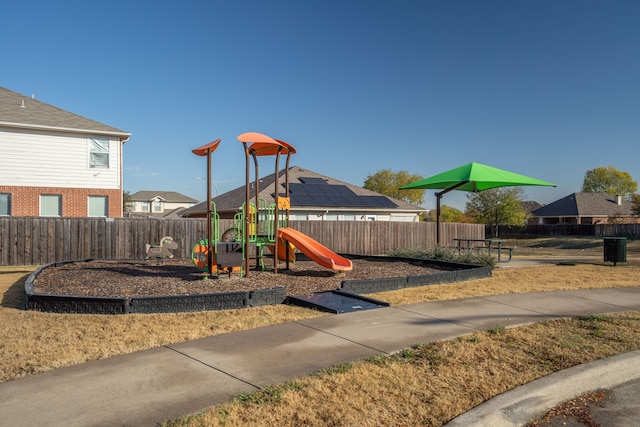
(39, 240)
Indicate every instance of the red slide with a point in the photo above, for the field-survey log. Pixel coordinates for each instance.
(315, 251)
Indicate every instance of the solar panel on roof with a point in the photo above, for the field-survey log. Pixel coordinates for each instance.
(301, 200)
(313, 180)
(352, 200)
(317, 192)
(338, 200)
(380, 202)
(343, 189)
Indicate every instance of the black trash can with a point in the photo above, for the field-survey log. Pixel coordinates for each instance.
(615, 249)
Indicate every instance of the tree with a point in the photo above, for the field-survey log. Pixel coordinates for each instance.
(127, 202)
(448, 214)
(609, 180)
(387, 182)
(497, 206)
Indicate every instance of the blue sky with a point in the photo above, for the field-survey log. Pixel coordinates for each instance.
(545, 88)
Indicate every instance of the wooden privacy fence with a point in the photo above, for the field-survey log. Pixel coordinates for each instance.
(591, 230)
(37, 240)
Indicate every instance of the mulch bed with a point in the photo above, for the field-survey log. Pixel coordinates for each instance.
(117, 278)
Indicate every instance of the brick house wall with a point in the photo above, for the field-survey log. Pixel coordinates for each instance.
(25, 201)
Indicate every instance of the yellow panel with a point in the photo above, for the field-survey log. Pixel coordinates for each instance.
(284, 203)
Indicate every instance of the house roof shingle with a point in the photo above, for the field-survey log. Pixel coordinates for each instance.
(233, 200)
(585, 204)
(20, 111)
(167, 196)
(530, 205)
(173, 213)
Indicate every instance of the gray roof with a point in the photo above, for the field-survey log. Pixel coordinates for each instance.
(232, 201)
(530, 205)
(20, 111)
(585, 204)
(167, 196)
(173, 213)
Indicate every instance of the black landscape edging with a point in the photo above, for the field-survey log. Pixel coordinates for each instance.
(77, 304)
(152, 304)
(454, 272)
(70, 303)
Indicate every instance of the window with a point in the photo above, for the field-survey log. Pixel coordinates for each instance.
(144, 206)
(50, 205)
(157, 206)
(98, 206)
(349, 217)
(99, 153)
(5, 204)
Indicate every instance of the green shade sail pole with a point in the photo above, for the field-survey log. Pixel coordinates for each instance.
(438, 209)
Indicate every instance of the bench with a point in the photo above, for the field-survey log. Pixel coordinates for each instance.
(490, 245)
(504, 248)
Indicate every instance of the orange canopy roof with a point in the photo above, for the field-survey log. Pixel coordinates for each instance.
(206, 148)
(263, 145)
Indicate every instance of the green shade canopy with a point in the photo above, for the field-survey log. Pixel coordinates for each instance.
(475, 177)
(471, 177)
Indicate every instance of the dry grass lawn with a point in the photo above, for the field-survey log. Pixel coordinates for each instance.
(33, 342)
(426, 385)
(430, 384)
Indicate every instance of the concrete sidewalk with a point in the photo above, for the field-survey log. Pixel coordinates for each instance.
(148, 387)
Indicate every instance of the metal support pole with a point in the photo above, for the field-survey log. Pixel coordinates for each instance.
(438, 197)
(245, 229)
(276, 212)
(210, 241)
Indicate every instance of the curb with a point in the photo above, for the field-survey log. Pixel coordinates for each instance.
(534, 399)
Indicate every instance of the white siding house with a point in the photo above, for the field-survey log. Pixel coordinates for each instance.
(56, 163)
(58, 160)
(160, 204)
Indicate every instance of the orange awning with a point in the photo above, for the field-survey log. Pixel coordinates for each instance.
(263, 145)
(207, 148)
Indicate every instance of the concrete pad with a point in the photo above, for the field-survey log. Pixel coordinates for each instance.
(478, 313)
(143, 388)
(274, 354)
(388, 329)
(558, 304)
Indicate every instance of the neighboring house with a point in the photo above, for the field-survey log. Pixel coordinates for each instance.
(316, 197)
(56, 163)
(160, 204)
(530, 205)
(586, 208)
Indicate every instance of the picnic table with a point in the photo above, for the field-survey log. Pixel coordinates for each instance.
(492, 245)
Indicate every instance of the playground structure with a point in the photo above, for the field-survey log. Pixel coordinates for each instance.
(258, 225)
